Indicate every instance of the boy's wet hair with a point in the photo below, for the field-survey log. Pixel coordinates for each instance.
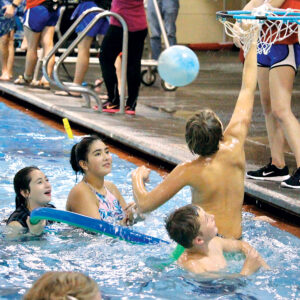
(22, 180)
(80, 151)
(203, 132)
(183, 225)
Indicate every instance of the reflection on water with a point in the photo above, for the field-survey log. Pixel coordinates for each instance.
(121, 269)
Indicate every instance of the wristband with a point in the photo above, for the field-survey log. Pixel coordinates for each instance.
(15, 5)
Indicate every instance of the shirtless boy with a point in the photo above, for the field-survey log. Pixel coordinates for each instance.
(216, 176)
(194, 229)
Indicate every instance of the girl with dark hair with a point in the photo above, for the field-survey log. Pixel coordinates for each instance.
(94, 196)
(33, 190)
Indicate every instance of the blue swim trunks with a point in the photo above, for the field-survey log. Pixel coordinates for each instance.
(281, 55)
(39, 17)
(99, 28)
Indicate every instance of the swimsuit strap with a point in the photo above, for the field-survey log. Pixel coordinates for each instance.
(93, 189)
(109, 194)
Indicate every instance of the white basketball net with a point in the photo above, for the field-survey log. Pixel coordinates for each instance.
(270, 31)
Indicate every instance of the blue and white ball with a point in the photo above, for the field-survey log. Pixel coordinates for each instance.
(178, 65)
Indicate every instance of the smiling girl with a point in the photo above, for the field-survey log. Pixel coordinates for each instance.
(33, 190)
(93, 196)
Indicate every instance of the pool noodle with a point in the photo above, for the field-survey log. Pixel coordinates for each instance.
(177, 252)
(94, 225)
(68, 128)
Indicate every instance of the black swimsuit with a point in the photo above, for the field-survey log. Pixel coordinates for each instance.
(20, 215)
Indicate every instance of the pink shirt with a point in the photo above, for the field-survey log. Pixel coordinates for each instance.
(133, 13)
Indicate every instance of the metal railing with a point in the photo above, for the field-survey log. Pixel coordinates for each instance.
(71, 87)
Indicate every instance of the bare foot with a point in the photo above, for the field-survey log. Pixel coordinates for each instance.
(97, 85)
(5, 77)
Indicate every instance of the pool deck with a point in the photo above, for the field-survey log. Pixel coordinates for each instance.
(158, 127)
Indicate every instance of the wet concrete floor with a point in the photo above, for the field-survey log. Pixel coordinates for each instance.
(158, 127)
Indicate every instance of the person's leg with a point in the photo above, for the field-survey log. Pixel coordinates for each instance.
(4, 42)
(99, 39)
(281, 86)
(110, 48)
(135, 52)
(99, 81)
(276, 169)
(11, 54)
(47, 44)
(275, 133)
(118, 66)
(24, 44)
(31, 55)
(83, 59)
(155, 37)
(169, 13)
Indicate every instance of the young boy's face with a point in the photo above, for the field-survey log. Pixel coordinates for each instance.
(208, 229)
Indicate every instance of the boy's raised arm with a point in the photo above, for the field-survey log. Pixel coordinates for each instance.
(241, 117)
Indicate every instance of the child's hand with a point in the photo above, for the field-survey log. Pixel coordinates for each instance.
(143, 172)
(9, 11)
(129, 211)
(132, 214)
(253, 262)
(36, 229)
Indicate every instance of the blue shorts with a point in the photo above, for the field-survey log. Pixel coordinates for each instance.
(6, 24)
(280, 55)
(99, 28)
(39, 17)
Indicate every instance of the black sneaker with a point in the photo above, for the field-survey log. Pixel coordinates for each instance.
(269, 172)
(293, 182)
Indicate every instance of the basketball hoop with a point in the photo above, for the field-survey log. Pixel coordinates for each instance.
(274, 24)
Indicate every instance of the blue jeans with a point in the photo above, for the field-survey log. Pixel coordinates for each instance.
(169, 11)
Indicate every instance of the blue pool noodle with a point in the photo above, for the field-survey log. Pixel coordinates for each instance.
(94, 225)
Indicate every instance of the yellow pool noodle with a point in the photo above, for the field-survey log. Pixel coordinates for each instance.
(68, 128)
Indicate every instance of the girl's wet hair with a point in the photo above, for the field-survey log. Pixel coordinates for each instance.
(22, 180)
(80, 152)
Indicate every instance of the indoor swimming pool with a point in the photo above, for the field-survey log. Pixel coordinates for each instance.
(122, 270)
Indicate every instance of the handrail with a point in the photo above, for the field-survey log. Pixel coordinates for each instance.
(77, 88)
(81, 89)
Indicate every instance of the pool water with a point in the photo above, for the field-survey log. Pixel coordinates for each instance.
(122, 270)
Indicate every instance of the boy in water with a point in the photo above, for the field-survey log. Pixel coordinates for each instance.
(216, 176)
(194, 229)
